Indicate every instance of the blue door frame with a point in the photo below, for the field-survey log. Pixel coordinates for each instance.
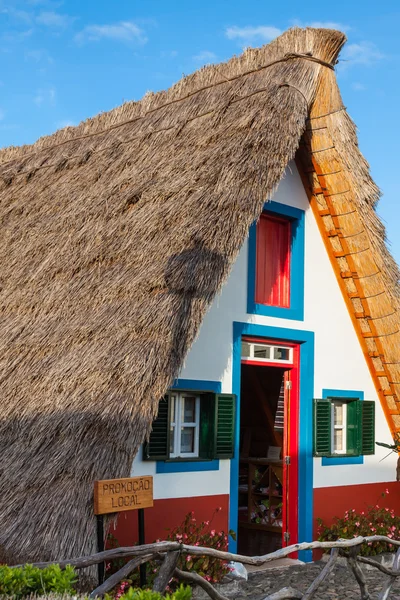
(306, 393)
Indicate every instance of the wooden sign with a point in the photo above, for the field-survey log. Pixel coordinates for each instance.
(115, 495)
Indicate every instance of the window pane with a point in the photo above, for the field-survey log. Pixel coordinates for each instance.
(172, 440)
(187, 439)
(261, 351)
(338, 440)
(338, 414)
(281, 353)
(189, 409)
(245, 349)
(173, 400)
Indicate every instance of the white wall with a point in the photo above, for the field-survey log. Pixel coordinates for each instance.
(339, 361)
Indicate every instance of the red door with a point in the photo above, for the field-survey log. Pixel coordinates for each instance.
(290, 452)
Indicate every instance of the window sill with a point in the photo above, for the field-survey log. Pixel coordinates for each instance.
(295, 313)
(186, 465)
(330, 461)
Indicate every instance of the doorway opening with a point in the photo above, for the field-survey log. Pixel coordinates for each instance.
(267, 487)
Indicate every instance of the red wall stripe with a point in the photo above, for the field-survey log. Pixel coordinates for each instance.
(334, 501)
(168, 513)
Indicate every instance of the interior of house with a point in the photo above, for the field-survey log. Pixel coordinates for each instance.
(261, 486)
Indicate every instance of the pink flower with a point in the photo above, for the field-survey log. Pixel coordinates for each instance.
(357, 524)
(387, 491)
(188, 558)
(212, 532)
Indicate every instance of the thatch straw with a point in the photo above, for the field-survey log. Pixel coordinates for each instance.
(117, 234)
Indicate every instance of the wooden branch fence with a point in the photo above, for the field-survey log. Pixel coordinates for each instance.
(168, 553)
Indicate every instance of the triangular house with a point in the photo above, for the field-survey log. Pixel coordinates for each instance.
(117, 236)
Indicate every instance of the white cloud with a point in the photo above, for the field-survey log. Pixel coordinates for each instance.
(124, 31)
(17, 15)
(16, 36)
(358, 87)
(205, 57)
(362, 53)
(39, 56)
(324, 25)
(45, 96)
(65, 123)
(169, 53)
(53, 19)
(249, 34)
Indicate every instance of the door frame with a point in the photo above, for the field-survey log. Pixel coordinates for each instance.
(305, 340)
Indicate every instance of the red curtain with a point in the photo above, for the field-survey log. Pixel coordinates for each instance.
(273, 261)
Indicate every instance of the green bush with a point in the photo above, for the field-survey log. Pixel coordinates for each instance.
(182, 593)
(24, 581)
(374, 520)
(192, 533)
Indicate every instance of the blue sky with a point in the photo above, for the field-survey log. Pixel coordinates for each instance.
(61, 62)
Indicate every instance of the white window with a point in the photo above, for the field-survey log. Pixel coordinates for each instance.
(184, 425)
(258, 352)
(339, 427)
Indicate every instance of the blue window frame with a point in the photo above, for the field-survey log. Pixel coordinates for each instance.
(296, 308)
(342, 460)
(185, 466)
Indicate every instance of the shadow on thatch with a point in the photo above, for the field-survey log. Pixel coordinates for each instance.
(193, 274)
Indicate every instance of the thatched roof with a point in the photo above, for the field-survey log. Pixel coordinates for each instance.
(116, 236)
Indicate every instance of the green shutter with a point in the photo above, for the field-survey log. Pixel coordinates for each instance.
(322, 427)
(224, 426)
(207, 426)
(354, 416)
(368, 427)
(157, 448)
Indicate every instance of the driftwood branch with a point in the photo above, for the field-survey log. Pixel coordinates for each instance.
(384, 595)
(330, 565)
(124, 572)
(169, 552)
(373, 563)
(161, 547)
(196, 579)
(166, 571)
(358, 573)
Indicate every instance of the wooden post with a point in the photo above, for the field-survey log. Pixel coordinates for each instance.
(143, 578)
(100, 546)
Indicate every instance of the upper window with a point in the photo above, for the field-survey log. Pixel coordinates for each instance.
(276, 263)
(344, 427)
(192, 426)
(273, 261)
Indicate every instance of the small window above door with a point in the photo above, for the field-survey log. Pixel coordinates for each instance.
(266, 353)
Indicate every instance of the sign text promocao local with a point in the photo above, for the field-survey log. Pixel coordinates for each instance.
(130, 493)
